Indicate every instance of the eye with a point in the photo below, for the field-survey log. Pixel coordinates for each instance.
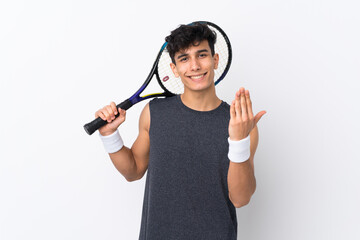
(183, 59)
(202, 55)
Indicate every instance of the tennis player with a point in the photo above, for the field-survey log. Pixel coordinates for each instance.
(198, 151)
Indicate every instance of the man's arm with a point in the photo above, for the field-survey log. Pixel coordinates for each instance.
(241, 178)
(131, 163)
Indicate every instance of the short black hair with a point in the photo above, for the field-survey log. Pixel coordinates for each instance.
(185, 35)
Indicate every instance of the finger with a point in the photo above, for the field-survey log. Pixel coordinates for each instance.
(113, 107)
(122, 113)
(249, 104)
(244, 113)
(121, 118)
(105, 113)
(237, 104)
(109, 113)
(100, 115)
(258, 116)
(232, 110)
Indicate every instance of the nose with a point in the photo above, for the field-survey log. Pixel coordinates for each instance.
(195, 64)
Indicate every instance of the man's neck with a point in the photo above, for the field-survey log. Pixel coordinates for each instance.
(200, 101)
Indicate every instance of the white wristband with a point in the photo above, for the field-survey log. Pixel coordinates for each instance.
(239, 151)
(112, 142)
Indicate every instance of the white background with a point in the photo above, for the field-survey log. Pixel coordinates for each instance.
(62, 60)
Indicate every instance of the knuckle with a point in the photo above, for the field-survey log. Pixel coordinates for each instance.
(237, 121)
(109, 109)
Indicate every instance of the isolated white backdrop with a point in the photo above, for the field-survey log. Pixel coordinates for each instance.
(62, 60)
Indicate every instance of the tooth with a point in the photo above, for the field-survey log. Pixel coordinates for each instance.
(197, 77)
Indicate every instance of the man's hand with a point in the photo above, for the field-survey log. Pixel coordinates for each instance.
(242, 120)
(108, 113)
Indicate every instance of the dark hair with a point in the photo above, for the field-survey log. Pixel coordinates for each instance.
(185, 35)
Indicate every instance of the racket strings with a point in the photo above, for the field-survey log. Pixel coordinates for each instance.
(221, 47)
(175, 85)
(167, 77)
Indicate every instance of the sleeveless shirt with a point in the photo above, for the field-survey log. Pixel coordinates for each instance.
(186, 193)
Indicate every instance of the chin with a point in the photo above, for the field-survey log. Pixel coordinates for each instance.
(198, 87)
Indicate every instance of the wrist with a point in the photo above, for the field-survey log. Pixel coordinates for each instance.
(112, 142)
(232, 138)
(107, 133)
(239, 151)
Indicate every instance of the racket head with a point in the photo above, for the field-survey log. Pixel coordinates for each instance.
(174, 85)
(166, 79)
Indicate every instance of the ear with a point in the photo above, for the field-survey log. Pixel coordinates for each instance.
(173, 68)
(216, 60)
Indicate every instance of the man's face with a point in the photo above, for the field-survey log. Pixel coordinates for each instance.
(195, 66)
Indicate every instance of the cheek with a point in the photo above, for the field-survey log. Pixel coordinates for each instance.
(181, 70)
(210, 66)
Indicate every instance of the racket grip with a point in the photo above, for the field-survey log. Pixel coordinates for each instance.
(94, 125)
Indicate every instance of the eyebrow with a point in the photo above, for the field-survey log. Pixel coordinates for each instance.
(186, 54)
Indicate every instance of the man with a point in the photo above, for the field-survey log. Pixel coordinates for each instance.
(198, 150)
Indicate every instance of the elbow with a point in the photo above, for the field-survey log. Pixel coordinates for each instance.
(241, 200)
(132, 179)
(133, 176)
(241, 203)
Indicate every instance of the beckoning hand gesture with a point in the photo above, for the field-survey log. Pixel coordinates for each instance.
(242, 120)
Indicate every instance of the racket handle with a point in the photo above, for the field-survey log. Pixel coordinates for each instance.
(91, 127)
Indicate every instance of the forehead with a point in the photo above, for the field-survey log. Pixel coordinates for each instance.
(194, 47)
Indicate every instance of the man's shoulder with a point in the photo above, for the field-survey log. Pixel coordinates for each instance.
(225, 104)
(162, 101)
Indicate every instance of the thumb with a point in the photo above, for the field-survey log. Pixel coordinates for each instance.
(232, 110)
(258, 116)
(121, 117)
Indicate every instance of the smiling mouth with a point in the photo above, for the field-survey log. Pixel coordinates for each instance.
(197, 77)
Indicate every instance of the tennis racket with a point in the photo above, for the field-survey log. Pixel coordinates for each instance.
(166, 79)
